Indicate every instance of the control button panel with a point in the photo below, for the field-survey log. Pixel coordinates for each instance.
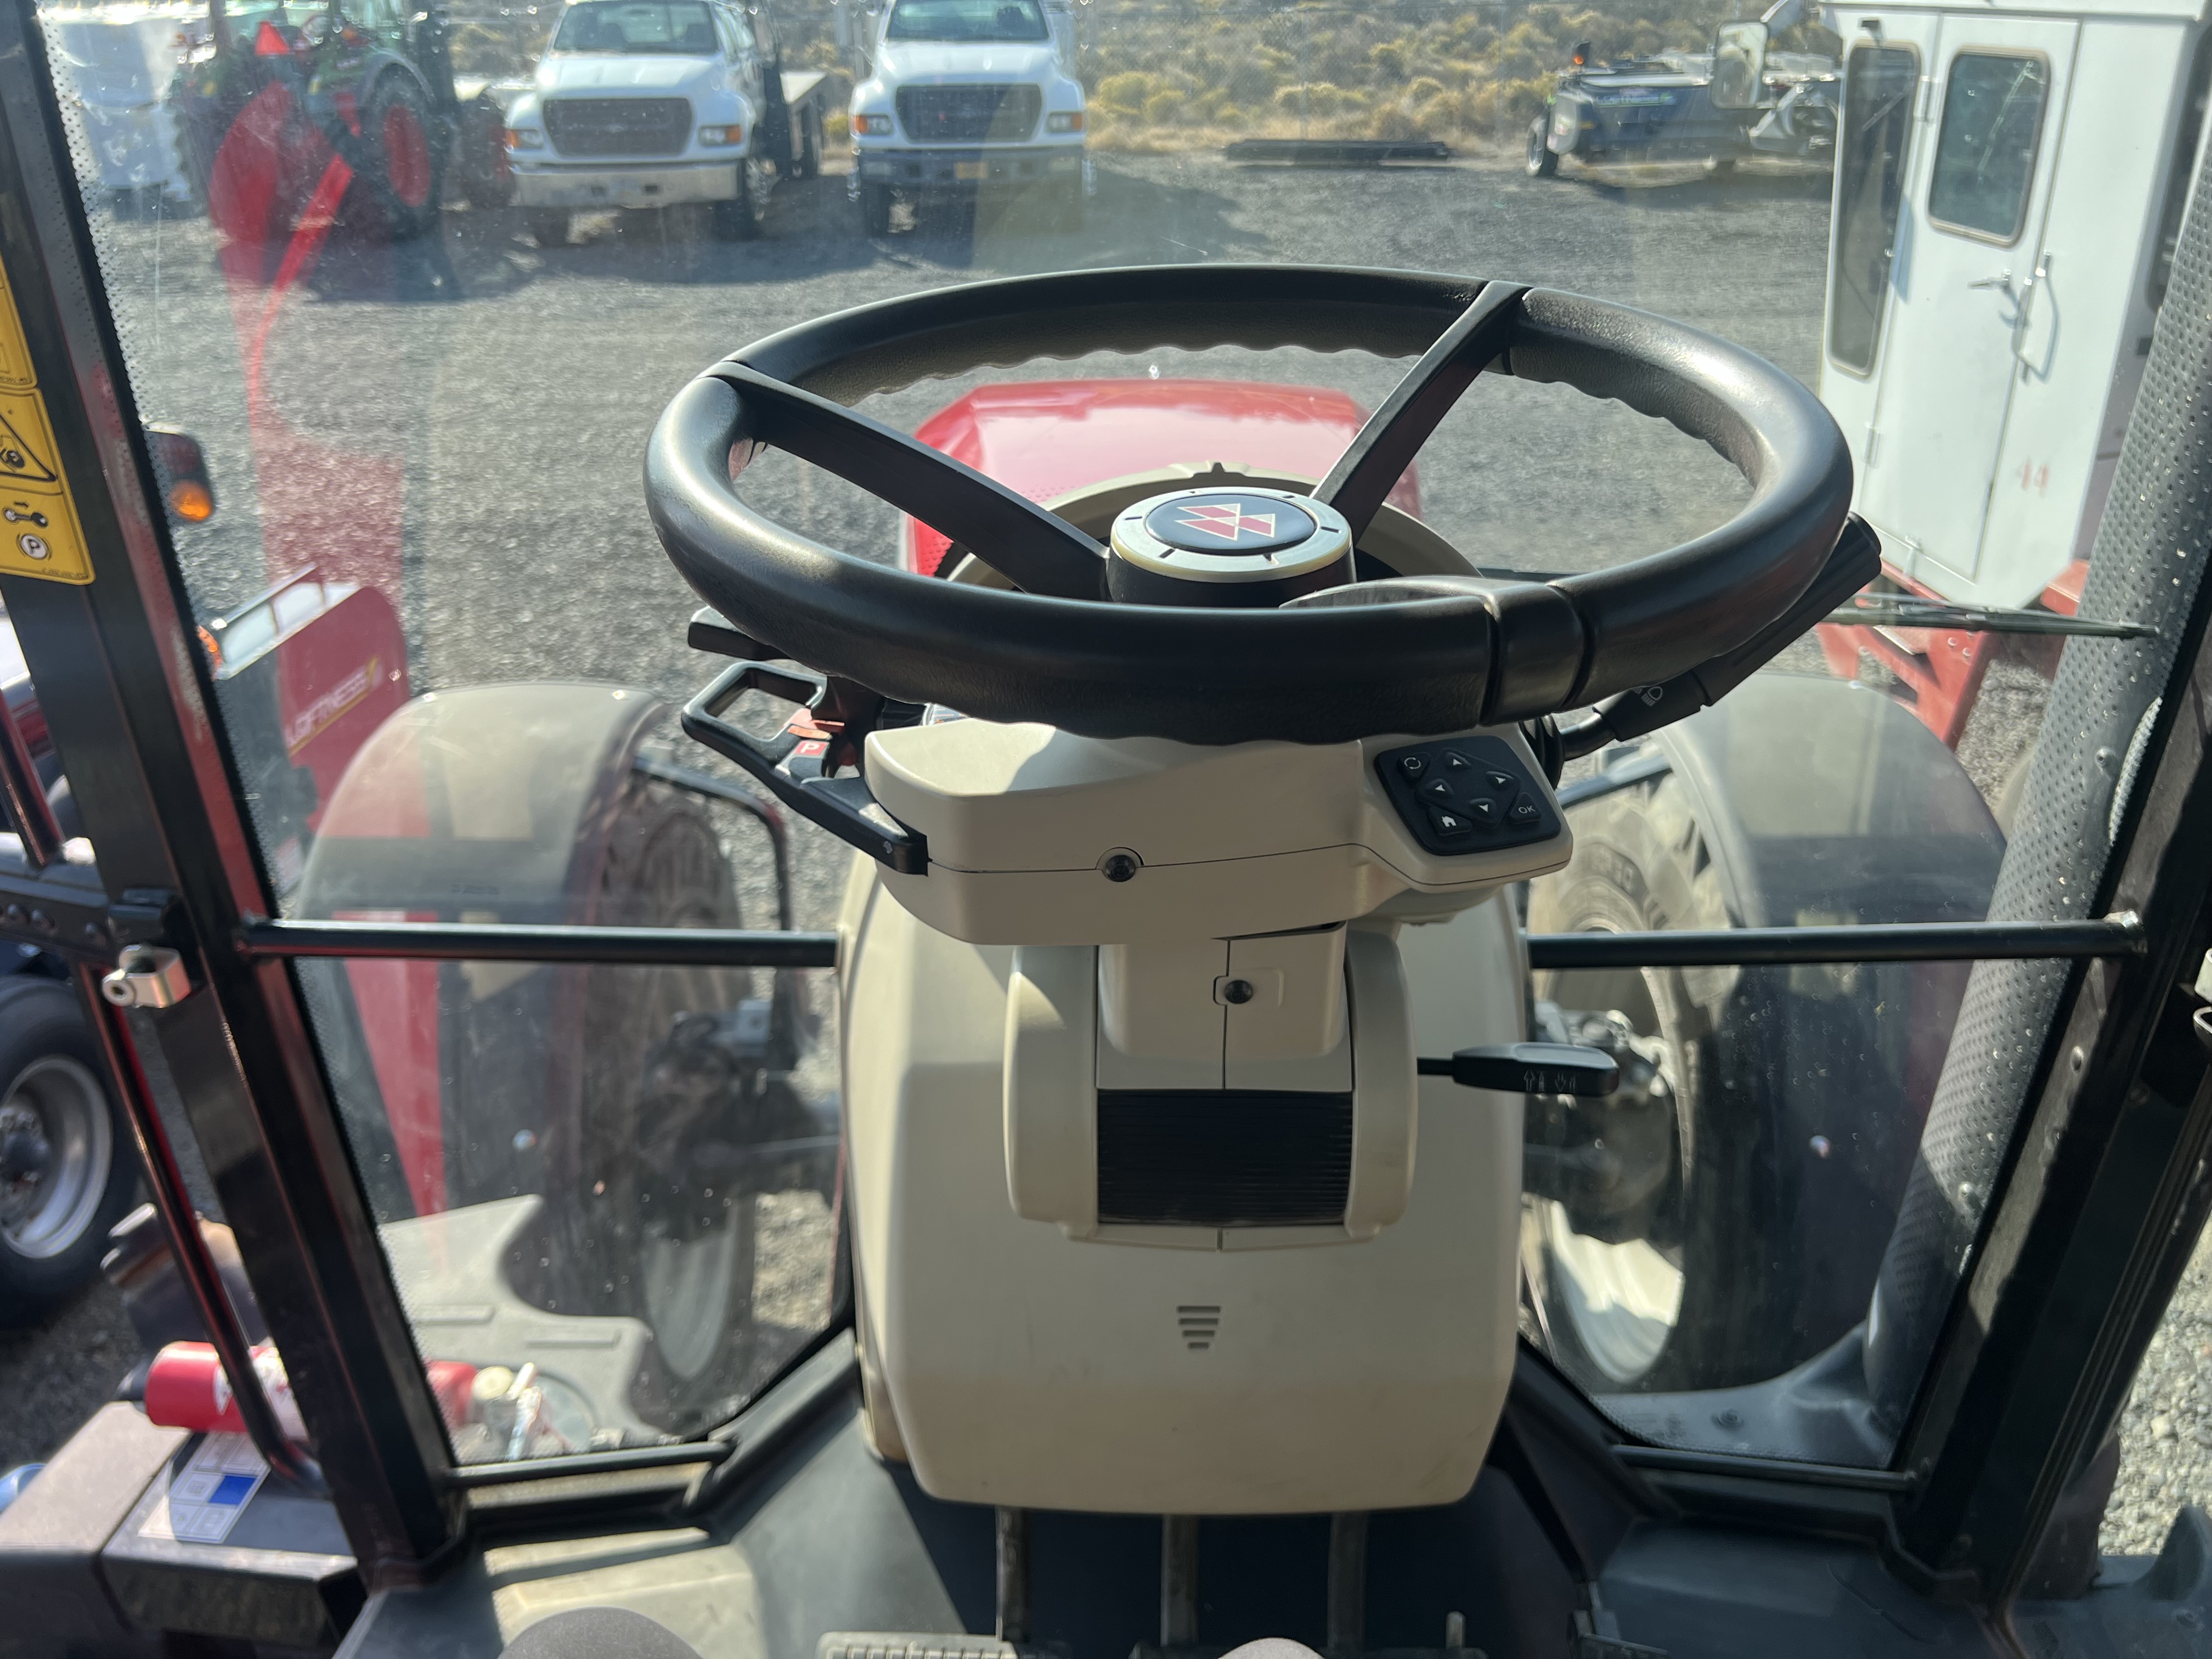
(1466, 795)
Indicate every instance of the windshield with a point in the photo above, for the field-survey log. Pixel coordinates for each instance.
(623, 25)
(424, 372)
(965, 20)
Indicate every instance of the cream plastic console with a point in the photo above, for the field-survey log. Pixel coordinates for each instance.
(1171, 931)
(1013, 1363)
(1148, 921)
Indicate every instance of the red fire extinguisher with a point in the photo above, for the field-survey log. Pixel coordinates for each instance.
(187, 1388)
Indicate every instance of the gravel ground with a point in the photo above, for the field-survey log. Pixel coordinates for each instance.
(2166, 1432)
(495, 397)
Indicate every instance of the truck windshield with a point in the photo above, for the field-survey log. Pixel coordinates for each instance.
(626, 26)
(966, 20)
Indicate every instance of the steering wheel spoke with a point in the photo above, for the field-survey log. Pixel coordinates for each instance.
(1377, 457)
(1037, 551)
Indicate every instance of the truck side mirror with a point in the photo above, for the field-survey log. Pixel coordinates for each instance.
(180, 467)
(1738, 66)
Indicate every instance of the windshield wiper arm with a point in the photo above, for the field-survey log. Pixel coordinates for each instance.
(1888, 610)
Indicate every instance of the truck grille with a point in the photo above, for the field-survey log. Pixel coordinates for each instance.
(968, 115)
(619, 127)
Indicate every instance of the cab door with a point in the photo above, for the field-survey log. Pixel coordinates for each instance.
(1877, 151)
(1968, 248)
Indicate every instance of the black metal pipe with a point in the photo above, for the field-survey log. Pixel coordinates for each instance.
(196, 1266)
(1014, 1586)
(1920, 941)
(1672, 1461)
(466, 1475)
(1930, 941)
(446, 941)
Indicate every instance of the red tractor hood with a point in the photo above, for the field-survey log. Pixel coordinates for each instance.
(1047, 438)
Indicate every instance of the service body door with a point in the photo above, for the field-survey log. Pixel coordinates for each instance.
(2121, 175)
(1967, 246)
(1877, 152)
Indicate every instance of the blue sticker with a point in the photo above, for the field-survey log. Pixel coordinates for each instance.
(233, 1489)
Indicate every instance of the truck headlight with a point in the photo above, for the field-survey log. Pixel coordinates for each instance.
(525, 138)
(1064, 120)
(711, 136)
(872, 126)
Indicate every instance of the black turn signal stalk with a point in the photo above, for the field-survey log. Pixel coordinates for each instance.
(1530, 1068)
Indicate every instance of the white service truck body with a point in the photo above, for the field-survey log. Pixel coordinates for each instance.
(2010, 186)
(961, 94)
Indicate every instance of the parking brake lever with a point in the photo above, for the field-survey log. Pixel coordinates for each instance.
(1855, 561)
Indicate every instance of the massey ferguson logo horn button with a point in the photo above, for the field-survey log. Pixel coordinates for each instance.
(1231, 520)
(1227, 522)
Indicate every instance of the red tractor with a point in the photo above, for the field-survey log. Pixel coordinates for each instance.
(302, 118)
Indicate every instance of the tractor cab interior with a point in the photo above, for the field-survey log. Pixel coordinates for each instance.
(1042, 1002)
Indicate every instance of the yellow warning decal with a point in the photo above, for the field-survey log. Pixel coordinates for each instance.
(39, 533)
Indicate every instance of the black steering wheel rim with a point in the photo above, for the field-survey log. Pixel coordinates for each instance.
(1061, 655)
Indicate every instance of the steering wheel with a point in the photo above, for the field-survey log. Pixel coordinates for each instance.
(1092, 643)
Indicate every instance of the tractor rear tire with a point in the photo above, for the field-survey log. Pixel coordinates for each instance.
(1745, 1263)
(680, 1255)
(487, 178)
(402, 156)
(69, 1164)
(1542, 163)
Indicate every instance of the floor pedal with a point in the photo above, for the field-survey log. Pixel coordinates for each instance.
(929, 1644)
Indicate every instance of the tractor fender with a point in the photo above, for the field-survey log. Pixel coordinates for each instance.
(1826, 802)
(384, 61)
(490, 804)
(492, 801)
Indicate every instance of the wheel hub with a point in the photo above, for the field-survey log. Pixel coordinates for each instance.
(26, 1156)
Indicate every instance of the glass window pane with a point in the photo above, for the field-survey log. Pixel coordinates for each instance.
(638, 1199)
(1878, 85)
(1986, 154)
(447, 644)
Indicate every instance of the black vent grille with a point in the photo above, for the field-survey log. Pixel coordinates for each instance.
(968, 115)
(1200, 1324)
(1223, 1158)
(619, 127)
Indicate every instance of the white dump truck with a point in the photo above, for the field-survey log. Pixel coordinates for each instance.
(658, 103)
(963, 95)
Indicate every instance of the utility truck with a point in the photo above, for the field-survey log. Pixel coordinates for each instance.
(659, 104)
(966, 95)
(2008, 196)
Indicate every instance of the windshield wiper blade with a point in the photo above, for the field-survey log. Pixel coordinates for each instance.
(1887, 611)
